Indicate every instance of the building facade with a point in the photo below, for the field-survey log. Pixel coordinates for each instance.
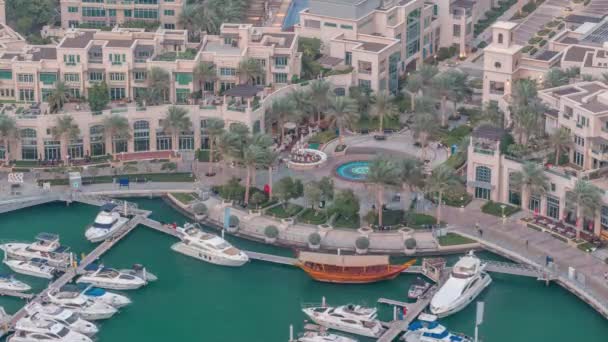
(100, 13)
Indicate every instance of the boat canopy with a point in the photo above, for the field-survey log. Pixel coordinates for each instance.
(108, 207)
(47, 237)
(343, 260)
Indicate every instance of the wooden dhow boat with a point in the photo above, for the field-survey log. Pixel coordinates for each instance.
(349, 269)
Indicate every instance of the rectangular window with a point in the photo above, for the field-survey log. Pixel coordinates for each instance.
(146, 2)
(145, 13)
(93, 12)
(72, 9)
(348, 58)
(280, 61)
(6, 75)
(346, 27)
(580, 141)
(182, 95)
(26, 95)
(48, 78)
(170, 26)
(117, 93)
(183, 78)
(456, 31)
(139, 75)
(330, 24)
(128, 13)
(367, 84)
(227, 72)
(169, 12)
(117, 76)
(95, 76)
(112, 12)
(280, 78)
(71, 77)
(25, 78)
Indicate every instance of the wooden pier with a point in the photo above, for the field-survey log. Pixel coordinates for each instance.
(16, 294)
(271, 258)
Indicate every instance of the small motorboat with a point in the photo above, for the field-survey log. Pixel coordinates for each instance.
(86, 308)
(35, 267)
(98, 294)
(8, 282)
(106, 224)
(418, 288)
(38, 325)
(208, 247)
(62, 334)
(322, 336)
(110, 278)
(46, 247)
(61, 315)
(337, 318)
(427, 329)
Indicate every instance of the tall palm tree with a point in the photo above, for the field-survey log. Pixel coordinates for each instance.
(176, 120)
(530, 180)
(413, 86)
(383, 172)
(383, 107)
(342, 112)
(586, 198)
(427, 72)
(64, 130)
(58, 97)
(605, 77)
(116, 126)
(561, 141)
(493, 115)
(302, 102)
(441, 180)
(424, 127)
(269, 160)
(410, 177)
(555, 77)
(158, 86)
(8, 132)
(251, 70)
(215, 129)
(205, 72)
(441, 87)
(319, 95)
(282, 110)
(255, 155)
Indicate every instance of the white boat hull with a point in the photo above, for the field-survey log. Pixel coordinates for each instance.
(27, 269)
(109, 284)
(344, 328)
(465, 299)
(95, 235)
(14, 286)
(19, 251)
(182, 248)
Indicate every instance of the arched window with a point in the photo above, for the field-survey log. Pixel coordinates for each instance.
(483, 174)
(500, 38)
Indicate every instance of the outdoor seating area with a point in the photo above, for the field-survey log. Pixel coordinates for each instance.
(561, 229)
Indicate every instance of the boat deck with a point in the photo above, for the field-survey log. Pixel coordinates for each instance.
(16, 294)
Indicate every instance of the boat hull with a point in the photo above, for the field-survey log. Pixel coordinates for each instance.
(348, 278)
(94, 235)
(182, 248)
(344, 328)
(109, 285)
(28, 271)
(464, 300)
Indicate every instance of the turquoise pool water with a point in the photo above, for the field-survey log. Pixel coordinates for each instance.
(354, 170)
(293, 13)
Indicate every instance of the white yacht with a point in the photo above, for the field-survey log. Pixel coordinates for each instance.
(61, 315)
(110, 278)
(98, 294)
(106, 224)
(8, 282)
(58, 335)
(86, 308)
(208, 247)
(320, 336)
(467, 280)
(39, 325)
(332, 318)
(35, 267)
(46, 247)
(427, 329)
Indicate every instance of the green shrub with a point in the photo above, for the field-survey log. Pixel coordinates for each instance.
(561, 26)
(551, 34)
(323, 137)
(233, 221)
(340, 148)
(169, 166)
(271, 232)
(199, 208)
(543, 32)
(410, 243)
(533, 51)
(362, 242)
(494, 208)
(542, 42)
(527, 48)
(314, 239)
(482, 45)
(534, 40)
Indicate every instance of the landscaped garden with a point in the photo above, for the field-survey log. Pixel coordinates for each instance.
(496, 209)
(312, 216)
(184, 198)
(453, 239)
(284, 211)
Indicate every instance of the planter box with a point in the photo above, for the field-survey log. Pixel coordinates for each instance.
(232, 229)
(409, 251)
(269, 240)
(314, 247)
(361, 251)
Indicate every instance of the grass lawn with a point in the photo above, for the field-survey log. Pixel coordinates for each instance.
(585, 247)
(312, 216)
(452, 239)
(281, 211)
(185, 198)
(418, 220)
(373, 124)
(25, 163)
(323, 137)
(347, 222)
(493, 208)
(150, 177)
(390, 217)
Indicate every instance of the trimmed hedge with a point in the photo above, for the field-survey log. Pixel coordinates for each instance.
(362, 242)
(271, 232)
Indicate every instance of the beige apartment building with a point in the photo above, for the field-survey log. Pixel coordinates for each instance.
(457, 21)
(380, 40)
(101, 13)
(582, 109)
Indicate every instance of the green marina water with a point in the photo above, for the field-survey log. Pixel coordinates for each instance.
(196, 301)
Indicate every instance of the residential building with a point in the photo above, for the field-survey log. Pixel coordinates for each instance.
(379, 39)
(100, 13)
(458, 20)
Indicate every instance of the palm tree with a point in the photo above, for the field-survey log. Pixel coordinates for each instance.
(413, 86)
(190, 19)
(58, 97)
(204, 16)
(427, 72)
(383, 172)
(282, 110)
(251, 70)
(342, 112)
(384, 106)
(493, 115)
(269, 160)
(587, 199)
(561, 141)
(215, 129)
(254, 155)
(65, 129)
(410, 176)
(301, 100)
(530, 180)
(442, 179)
(442, 86)
(8, 131)
(424, 127)
(205, 72)
(158, 86)
(116, 126)
(319, 96)
(555, 77)
(526, 110)
(605, 77)
(176, 120)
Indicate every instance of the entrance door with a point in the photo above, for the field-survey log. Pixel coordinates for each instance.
(482, 193)
(52, 153)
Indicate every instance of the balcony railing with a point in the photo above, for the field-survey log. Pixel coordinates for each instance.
(483, 151)
(116, 63)
(70, 63)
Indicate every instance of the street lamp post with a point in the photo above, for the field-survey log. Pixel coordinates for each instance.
(502, 207)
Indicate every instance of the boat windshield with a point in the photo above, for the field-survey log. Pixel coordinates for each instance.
(63, 332)
(463, 272)
(104, 225)
(192, 231)
(206, 236)
(71, 318)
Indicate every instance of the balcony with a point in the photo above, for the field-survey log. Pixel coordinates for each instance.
(484, 151)
(116, 63)
(70, 63)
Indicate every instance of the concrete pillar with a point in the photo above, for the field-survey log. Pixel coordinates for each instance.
(597, 222)
(543, 205)
(562, 206)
